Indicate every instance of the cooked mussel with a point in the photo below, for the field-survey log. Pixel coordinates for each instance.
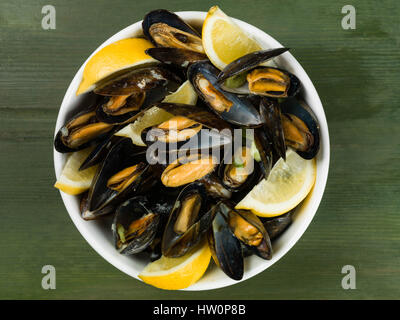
(174, 130)
(231, 232)
(132, 92)
(165, 29)
(191, 128)
(225, 248)
(249, 61)
(120, 176)
(188, 169)
(260, 80)
(121, 109)
(237, 110)
(189, 219)
(235, 174)
(272, 82)
(198, 114)
(134, 225)
(300, 127)
(248, 228)
(80, 131)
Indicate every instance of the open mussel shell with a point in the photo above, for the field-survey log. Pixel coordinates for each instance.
(192, 128)
(248, 228)
(128, 109)
(241, 172)
(226, 249)
(176, 56)
(161, 201)
(271, 113)
(300, 127)
(134, 226)
(81, 131)
(132, 92)
(237, 110)
(197, 114)
(189, 219)
(172, 139)
(266, 81)
(277, 225)
(249, 77)
(248, 61)
(166, 29)
(122, 174)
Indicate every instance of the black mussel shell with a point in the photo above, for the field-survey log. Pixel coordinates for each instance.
(301, 110)
(167, 17)
(264, 148)
(249, 61)
(237, 110)
(176, 56)
(162, 198)
(225, 248)
(277, 225)
(183, 232)
(143, 78)
(215, 188)
(134, 226)
(100, 151)
(236, 218)
(271, 113)
(91, 119)
(102, 199)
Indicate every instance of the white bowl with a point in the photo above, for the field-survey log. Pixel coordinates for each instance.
(98, 233)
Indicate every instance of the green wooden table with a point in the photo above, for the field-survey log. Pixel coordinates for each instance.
(356, 73)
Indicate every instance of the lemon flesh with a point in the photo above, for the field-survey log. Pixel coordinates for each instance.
(223, 40)
(72, 181)
(122, 54)
(178, 273)
(287, 185)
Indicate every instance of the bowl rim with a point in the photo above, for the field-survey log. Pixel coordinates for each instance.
(313, 199)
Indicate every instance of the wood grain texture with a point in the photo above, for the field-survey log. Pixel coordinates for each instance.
(356, 74)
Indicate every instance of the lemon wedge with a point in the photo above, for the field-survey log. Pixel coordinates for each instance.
(73, 181)
(184, 94)
(223, 40)
(288, 183)
(122, 54)
(178, 273)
